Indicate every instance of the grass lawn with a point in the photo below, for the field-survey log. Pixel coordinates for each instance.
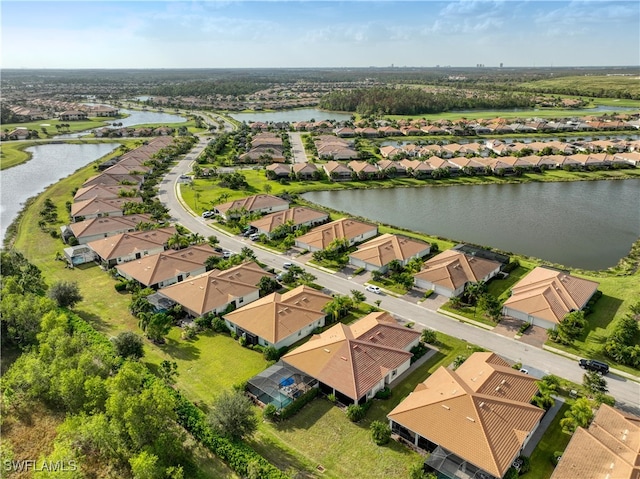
(390, 285)
(553, 440)
(207, 365)
(12, 153)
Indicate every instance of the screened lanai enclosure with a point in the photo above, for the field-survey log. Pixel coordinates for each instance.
(280, 385)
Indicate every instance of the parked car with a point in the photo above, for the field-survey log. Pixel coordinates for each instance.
(254, 236)
(593, 365)
(373, 289)
(523, 370)
(208, 214)
(287, 265)
(227, 254)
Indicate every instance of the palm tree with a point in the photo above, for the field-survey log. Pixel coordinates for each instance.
(196, 238)
(177, 241)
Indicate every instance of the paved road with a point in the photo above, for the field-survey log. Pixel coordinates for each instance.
(626, 392)
(297, 148)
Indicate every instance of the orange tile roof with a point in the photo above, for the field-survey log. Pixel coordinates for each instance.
(166, 265)
(298, 215)
(128, 243)
(278, 316)
(107, 224)
(610, 448)
(382, 250)
(102, 206)
(550, 294)
(102, 191)
(453, 269)
(252, 203)
(344, 228)
(353, 359)
(462, 412)
(215, 289)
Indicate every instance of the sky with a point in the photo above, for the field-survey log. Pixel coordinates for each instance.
(272, 34)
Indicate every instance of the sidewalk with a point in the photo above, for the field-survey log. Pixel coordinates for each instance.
(542, 428)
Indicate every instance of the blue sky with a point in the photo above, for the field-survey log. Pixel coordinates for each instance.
(228, 34)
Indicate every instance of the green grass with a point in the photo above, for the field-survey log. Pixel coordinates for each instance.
(586, 85)
(390, 285)
(74, 126)
(501, 288)
(13, 154)
(207, 365)
(553, 440)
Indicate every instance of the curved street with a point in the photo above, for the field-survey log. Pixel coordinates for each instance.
(539, 362)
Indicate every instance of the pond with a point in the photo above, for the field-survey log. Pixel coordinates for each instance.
(291, 116)
(584, 224)
(49, 164)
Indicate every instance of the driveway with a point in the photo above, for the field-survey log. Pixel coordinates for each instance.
(297, 148)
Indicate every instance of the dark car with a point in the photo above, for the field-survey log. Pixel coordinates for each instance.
(593, 365)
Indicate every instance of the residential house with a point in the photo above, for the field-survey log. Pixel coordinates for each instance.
(355, 361)
(389, 151)
(391, 168)
(364, 170)
(296, 217)
(474, 421)
(125, 247)
(337, 171)
(262, 203)
(278, 170)
(376, 254)
(216, 291)
(417, 168)
(608, 448)
(96, 228)
(353, 231)
(545, 296)
(450, 271)
(104, 192)
(18, 134)
(72, 115)
(469, 166)
(107, 179)
(280, 320)
(306, 171)
(104, 110)
(99, 207)
(168, 267)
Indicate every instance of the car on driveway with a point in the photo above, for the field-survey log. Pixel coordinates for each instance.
(373, 289)
(227, 254)
(287, 265)
(523, 370)
(593, 365)
(208, 214)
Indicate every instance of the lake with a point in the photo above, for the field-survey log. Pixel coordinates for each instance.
(300, 114)
(49, 164)
(583, 224)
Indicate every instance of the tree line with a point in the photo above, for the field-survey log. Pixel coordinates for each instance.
(414, 101)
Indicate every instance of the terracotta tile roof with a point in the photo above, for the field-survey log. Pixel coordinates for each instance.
(107, 224)
(453, 269)
(102, 191)
(298, 215)
(610, 448)
(103, 206)
(382, 250)
(362, 167)
(169, 264)
(128, 243)
(252, 203)
(304, 168)
(334, 166)
(215, 289)
(344, 228)
(113, 179)
(480, 424)
(278, 316)
(346, 359)
(550, 294)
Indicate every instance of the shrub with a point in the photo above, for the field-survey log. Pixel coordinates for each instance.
(410, 325)
(120, 287)
(428, 293)
(359, 271)
(526, 465)
(523, 327)
(510, 266)
(332, 398)
(269, 412)
(418, 351)
(556, 457)
(457, 362)
(189, 332)
(517, 366)
(242, 340)
(203, 322)
(128, 345)
(384, 393)
(355, 412)
(219, 326)
(429, 336)
(380, 432)
(65, 293)
(271, 353)
(299, 403)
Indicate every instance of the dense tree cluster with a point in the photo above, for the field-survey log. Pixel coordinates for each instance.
(204, 88)
(414, 101)
(623, 345)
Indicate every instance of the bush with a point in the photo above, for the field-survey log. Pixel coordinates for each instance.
(271, 353)
(189, 332)
(128, 345)
(510, 266)
(65, 293)
(332, 398)
(120, 286)
(269, 412)
(556, 457)
(418, 351)
(219, 326)
(517, 366)
(526, 465)
(428, 293)
(429, 336)
(384, 393)
(299, 403)
(410, 325)
(355, 412)
(524, 327)
(359, 271)
(242, 340)
(380, 432)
